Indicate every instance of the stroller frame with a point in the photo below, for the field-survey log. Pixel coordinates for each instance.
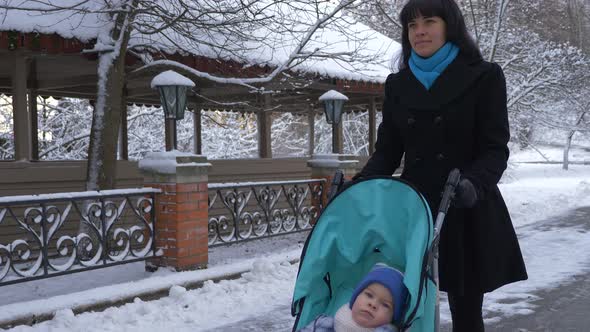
(432, 258)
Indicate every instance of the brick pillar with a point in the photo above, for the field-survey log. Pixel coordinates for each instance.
(324, 166)
(181, 229)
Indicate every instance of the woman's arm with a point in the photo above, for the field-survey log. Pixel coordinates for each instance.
(492, 133)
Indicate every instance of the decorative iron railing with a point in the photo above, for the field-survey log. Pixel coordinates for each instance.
(246, 211)
(54, 234)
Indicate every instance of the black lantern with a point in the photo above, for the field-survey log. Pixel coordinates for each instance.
(172, 88)
(333, 105)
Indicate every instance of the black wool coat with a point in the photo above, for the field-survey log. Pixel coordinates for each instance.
(461, 122)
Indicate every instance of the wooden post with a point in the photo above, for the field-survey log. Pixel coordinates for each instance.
(198, 148)
(32, 79)
(34, 124)
(311, 122)
(20, 109)
(123, 130)
(264, 123)
(372, 125)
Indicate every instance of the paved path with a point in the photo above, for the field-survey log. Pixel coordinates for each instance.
(564, 309)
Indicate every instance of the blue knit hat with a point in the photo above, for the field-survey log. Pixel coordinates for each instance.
(392, 279)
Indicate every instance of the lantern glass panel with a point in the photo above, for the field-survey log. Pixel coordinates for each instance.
(338, 106)
(173, 100)
(329, 110)
(333, 110)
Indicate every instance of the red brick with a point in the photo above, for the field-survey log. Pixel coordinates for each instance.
(190, 261)
(166, 198)
(187, 206)
(200, 250)
(187, 187)
(203, 187)
(190, 216)
(176, 252)
(203, 204)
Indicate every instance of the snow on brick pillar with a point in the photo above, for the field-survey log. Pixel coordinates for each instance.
(324, 166)
(181, 229)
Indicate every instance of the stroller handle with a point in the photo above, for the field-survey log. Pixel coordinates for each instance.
(449, 190)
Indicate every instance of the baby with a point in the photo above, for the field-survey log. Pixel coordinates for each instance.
(376, 303)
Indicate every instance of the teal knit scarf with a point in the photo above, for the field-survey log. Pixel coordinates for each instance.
(427, 70)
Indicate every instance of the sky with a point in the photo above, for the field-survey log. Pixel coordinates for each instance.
(538, 197)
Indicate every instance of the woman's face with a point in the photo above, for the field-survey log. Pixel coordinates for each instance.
(427, 35)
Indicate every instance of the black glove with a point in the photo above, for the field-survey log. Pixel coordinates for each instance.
(465, 194)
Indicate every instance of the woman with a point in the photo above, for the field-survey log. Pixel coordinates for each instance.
(445, 109)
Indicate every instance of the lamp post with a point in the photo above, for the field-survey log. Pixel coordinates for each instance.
(172, 88)
(333, 106)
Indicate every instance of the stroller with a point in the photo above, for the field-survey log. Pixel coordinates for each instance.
(372, 220)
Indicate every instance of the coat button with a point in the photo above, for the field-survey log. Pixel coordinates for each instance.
(440, 156)
(411, 121)
(438, 120)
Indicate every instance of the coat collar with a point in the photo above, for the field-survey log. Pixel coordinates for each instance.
(451, 83)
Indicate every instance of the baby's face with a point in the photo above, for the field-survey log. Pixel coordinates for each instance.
(373, 307)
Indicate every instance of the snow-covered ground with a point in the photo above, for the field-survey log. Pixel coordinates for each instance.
(537, 196)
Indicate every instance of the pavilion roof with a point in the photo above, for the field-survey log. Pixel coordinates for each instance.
(89, 29)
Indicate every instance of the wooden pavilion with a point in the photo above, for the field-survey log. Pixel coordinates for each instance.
(33, 64)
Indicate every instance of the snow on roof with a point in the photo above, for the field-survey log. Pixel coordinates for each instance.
(67, 24)
(274, 51)
(332, 95)
(170, 77)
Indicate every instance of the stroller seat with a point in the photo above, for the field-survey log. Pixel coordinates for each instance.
(373, 220)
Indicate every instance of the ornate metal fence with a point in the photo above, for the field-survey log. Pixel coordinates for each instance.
(247, 211)
(55, 234)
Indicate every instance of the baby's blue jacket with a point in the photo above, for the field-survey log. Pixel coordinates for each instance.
(326, 324)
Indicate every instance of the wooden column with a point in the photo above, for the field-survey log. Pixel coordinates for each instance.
(372, 125)
(264, 123)
(311, 122)
(123, 130)
(33, 110)
(21, 113)
(34, 125)
(197, 136)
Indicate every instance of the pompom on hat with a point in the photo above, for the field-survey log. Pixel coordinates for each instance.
(392, 279)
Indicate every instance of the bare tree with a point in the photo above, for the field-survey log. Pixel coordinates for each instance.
(218, 29)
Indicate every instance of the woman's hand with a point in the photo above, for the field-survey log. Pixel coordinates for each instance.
(465, 194)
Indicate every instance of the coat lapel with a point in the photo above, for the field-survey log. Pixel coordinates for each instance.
(452, 83)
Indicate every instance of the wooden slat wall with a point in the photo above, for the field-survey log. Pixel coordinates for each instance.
(25, 178)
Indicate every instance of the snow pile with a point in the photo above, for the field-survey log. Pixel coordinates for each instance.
(167, 162)
(170, 77)
(215, 303)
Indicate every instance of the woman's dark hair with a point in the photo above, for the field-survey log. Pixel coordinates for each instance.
(450, 13)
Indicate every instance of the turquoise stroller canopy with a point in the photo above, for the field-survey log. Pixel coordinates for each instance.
(375, 220)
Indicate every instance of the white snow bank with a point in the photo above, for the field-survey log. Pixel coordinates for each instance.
(118, 292)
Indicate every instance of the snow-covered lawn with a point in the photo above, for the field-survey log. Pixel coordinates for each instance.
(537, 196)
